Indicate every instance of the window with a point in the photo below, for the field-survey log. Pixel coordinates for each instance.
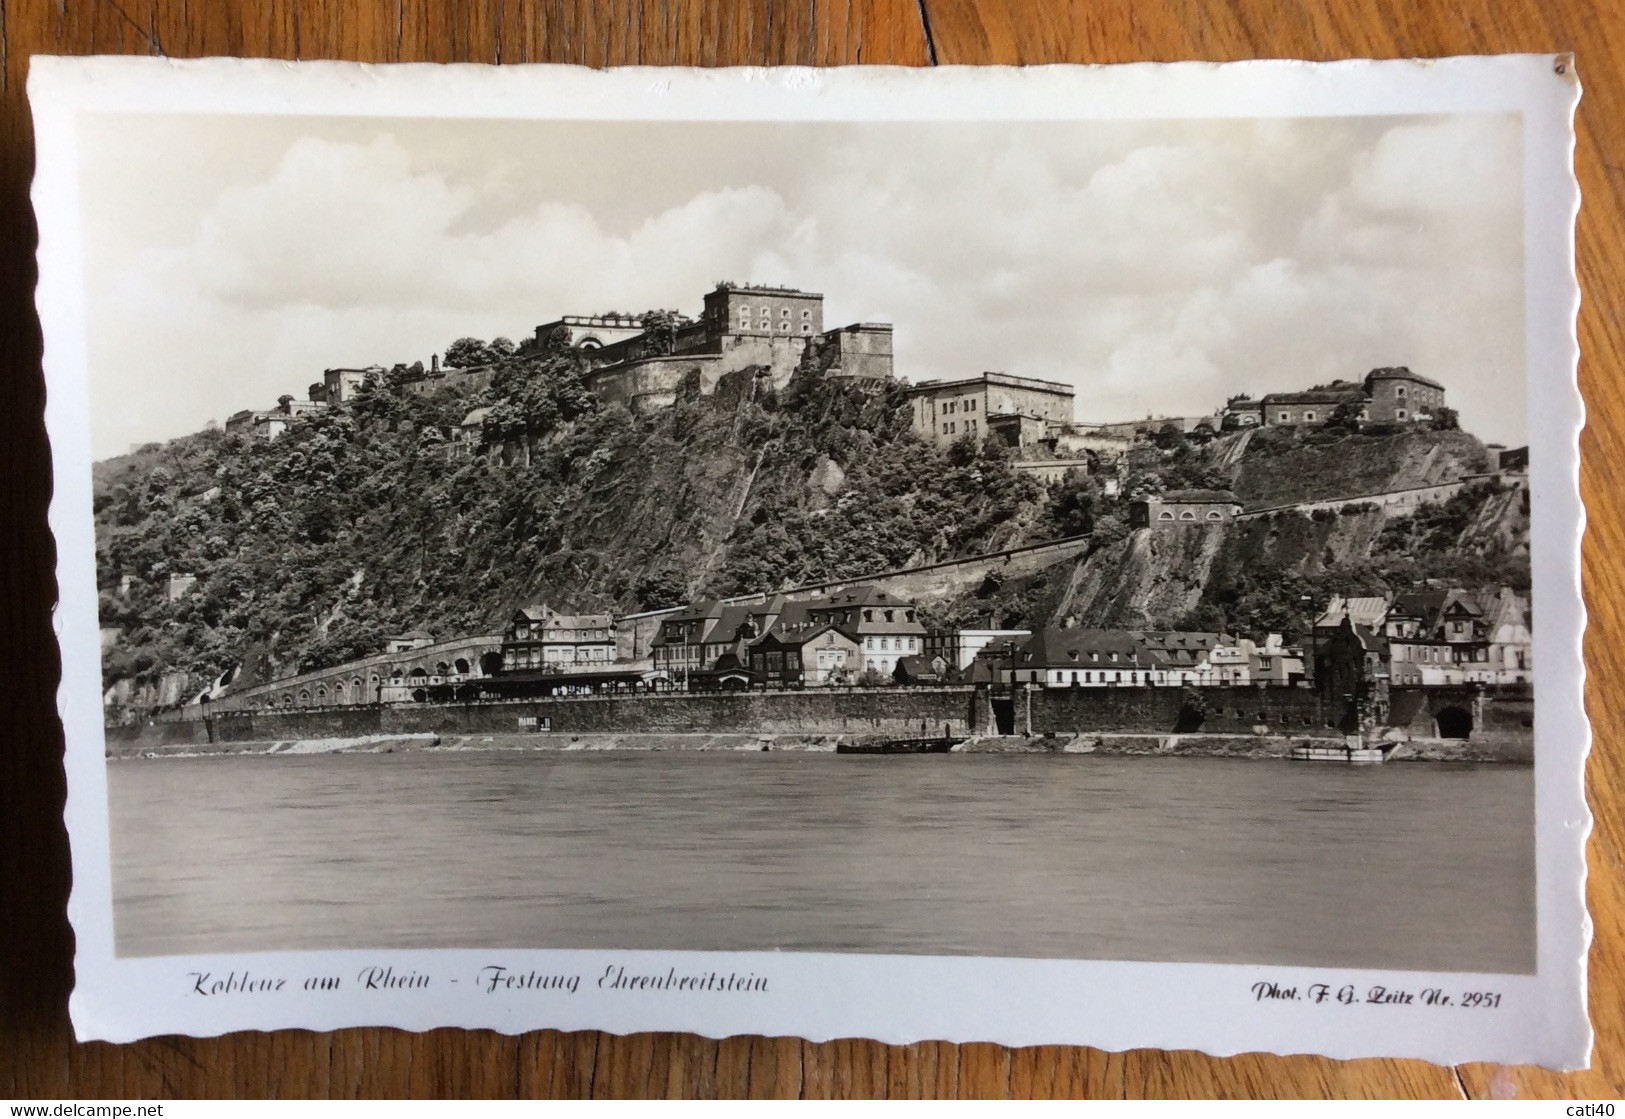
(784, 328)
(1286, 417)
(889, 615)
(1165, 515)
(806, 314)
(1088, 677)
(1399, 391)
(1215, 515)
(792, 660)
(1400, 413)
(868, 615)
(970, 405)
(1308, 417)
(806, 328)
(767, 310)
(764, 325)
(1187, 515)
(784, 312)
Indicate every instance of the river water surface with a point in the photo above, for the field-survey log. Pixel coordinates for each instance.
(1412, 865)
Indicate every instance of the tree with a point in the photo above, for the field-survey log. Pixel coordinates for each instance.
(660, 331)
(1345, 417)
(466, 353)
(1072, 504)
(1446, 419)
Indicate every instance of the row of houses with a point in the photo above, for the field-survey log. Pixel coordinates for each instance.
(1428, 638)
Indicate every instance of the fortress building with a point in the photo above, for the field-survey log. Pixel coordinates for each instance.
(1386, 396)
(1017, 410)
(766, 330)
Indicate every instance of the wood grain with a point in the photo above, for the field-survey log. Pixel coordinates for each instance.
(39, 1059)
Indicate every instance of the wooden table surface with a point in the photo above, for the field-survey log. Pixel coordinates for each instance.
(39, 1059)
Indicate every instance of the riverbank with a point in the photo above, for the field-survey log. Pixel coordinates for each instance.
(1240, 746)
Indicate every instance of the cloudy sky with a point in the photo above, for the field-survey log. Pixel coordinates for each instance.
(1157, 267)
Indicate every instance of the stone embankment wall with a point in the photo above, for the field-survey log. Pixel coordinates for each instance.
(1500, 719)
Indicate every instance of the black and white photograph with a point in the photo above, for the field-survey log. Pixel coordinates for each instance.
(1027, 537)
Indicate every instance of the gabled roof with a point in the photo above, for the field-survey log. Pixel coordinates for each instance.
(799, 635)
(1368, 610)
(540, 612)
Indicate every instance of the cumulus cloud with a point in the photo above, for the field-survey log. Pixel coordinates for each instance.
(1157, 267)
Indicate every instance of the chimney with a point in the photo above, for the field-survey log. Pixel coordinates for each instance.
(434, 363)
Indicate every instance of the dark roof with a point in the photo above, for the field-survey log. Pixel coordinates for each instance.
(414, 635)
(1197, 497)
(1400, 373)
(1315, 396)
(916, 667)
(1054, 647)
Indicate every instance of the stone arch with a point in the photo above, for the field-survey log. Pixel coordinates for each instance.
(358, 689)
(321, 694)
(397, 676)
(490, 663)
(461, 665)
(1215, 515)
(340, 692)
(442, 669)
(590, 342)
(304, 697)
(419, 696)
(1187, 515)
(1454, 722)
(1165, 515)
(418, 675)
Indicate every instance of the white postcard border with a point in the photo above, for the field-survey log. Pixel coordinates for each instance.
(1111, 1005)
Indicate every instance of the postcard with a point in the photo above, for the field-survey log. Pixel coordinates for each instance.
(1080, 555)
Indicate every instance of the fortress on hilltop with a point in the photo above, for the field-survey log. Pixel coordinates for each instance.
(646, 364)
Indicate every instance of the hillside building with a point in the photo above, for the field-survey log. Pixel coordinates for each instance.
(1387, 396)
(748, 331)
(1016, 410)
(1178, 507)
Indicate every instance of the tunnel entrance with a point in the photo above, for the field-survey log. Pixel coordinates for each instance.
(1454, 722)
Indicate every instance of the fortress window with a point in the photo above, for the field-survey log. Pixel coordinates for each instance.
(1215, 515)
(806, 314)
(1308, 417)
(784, 312)
(1286, 417)
(1187, 515)
(806, 328)
(1165, 515)
(1399, 391)
(1400, 413)
(784, 328)
(764, 325)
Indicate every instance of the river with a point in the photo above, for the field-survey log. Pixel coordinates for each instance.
(1410, 865)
